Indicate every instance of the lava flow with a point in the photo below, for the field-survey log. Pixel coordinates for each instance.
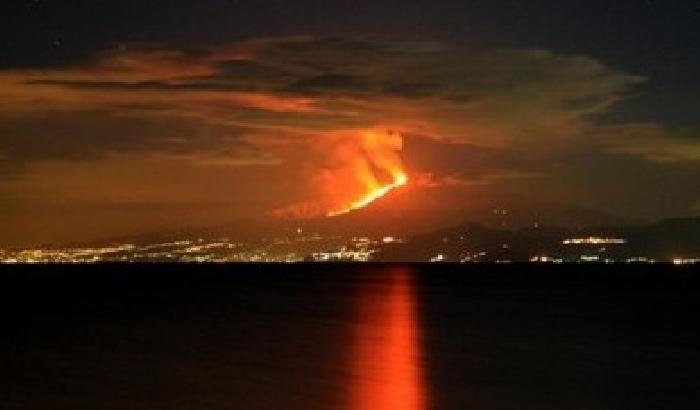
(400, 179)
(367, 157)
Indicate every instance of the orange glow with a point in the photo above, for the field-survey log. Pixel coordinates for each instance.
(399, 180)
(386, 368)
(355, 168)
(379, 153)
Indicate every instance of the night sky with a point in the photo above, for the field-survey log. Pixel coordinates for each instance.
(132, 116)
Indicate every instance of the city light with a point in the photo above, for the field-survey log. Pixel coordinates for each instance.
(686, 261)
(593, 240)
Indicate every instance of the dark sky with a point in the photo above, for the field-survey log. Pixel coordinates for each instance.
(659, 39)
(633, 133)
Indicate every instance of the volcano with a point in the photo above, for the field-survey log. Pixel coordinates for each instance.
(409, 210)
(400, 180)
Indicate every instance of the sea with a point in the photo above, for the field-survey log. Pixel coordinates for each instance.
(349, 337)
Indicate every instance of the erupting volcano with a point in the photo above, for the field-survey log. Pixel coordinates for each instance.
(352, 169)
(377, 168)
(400, 179)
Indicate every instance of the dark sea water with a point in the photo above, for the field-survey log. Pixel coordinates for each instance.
(349, 337)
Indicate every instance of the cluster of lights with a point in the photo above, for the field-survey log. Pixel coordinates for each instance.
(342, 255)
(686, 261)
(69, 255)
(640, 259)
(296, 248)
(188, 251)
(593, 240)
(546, 259)
(288, 249)
(437, 258)
(362, 249)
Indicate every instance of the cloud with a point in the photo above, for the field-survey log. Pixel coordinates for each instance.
(485, 97)
(492, 177)
(654, 142)
(85, 135)
(491, 116)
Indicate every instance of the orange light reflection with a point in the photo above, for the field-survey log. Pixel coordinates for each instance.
(386, 366)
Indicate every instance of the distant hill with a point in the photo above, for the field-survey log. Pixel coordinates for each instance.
(415, 210)
(423, 213)
(662, 241)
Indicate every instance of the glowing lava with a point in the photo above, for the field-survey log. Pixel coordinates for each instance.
(354, 168)
(367, 166)
(400, 179)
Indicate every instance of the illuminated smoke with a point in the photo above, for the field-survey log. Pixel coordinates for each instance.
(349, 170)
(368, 166)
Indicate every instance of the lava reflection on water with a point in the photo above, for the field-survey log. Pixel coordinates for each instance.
(386, 367)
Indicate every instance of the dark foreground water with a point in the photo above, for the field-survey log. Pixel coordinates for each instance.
(349, 338)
